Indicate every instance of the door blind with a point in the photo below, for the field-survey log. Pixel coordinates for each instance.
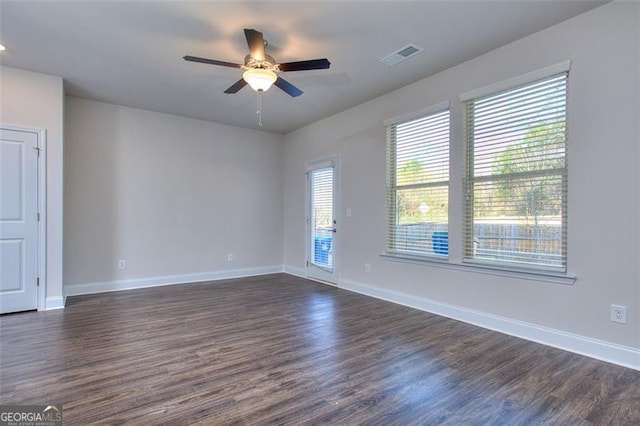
(321, 217)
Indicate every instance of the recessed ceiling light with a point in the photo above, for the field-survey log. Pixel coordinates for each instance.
(2, 48)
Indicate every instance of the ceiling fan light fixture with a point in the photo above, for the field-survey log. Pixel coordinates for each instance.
(261, 69)
(260, 79)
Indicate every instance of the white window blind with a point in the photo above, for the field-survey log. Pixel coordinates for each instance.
(322, 225)
(516, 177)
(418, 186)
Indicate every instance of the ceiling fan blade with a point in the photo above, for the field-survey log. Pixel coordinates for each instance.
(236, 86)
(256, 44)
(292, 90)
(313, 64)
(210, 61)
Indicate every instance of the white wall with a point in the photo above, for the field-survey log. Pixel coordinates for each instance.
(170, 195)
(36, 100)
(604, 212)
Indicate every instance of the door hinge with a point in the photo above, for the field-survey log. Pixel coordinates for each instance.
(307, 263)
(38, 217)
(38, 282)
(38, 149)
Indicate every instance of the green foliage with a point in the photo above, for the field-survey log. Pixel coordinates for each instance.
(419, 205)
(541, 149)
(410, 172)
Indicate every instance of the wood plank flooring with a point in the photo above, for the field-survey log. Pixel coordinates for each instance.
(283, 350)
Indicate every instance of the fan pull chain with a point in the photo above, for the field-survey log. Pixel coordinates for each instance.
(259, 111)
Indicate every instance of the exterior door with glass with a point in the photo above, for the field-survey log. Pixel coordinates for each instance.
(322, 226)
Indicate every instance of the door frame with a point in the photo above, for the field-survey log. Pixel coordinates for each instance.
(41, 179)
(337, 238)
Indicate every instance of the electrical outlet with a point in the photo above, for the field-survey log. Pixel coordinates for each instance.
(122, 264)
(619, 314)
(229, 257)
(367, 267)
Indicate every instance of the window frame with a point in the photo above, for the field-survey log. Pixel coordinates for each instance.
(469, 179)
(458, 185)
(392, 187)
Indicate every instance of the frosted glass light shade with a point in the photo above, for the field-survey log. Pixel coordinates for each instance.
(259, 79)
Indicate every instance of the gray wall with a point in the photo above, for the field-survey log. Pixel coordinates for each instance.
(604, 185)
(170, 195)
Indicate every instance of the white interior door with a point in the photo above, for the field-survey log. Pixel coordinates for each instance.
(18, 220)
(322, 226)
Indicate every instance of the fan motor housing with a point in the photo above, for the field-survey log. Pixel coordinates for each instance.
(268, 64)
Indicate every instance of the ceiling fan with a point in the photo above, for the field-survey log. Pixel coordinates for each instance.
(261, 69)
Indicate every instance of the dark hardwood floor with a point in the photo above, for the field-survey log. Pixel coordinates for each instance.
(283, 350)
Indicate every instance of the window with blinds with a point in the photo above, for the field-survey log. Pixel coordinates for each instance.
(418, 185)
(516, 183)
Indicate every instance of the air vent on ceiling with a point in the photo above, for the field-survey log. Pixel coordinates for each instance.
(402, 54)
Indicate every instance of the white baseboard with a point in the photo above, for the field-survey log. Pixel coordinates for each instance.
(302, 273)
(292, 270)
(119, 285)
(51, 303)
(594, 348)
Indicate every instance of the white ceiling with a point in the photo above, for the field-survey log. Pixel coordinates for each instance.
(130, 52)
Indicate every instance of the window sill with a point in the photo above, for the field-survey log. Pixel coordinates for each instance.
(550, 277)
